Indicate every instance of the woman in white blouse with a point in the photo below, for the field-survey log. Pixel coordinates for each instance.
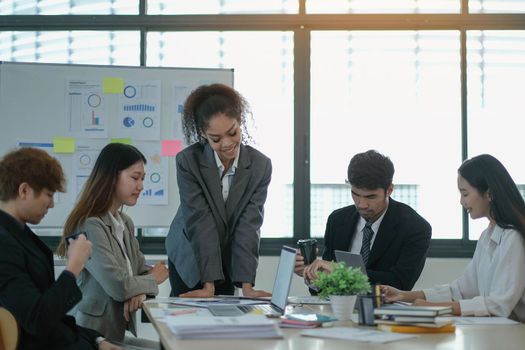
(493, 283)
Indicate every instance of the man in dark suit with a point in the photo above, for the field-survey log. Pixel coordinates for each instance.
(390, 236)
(28, 289)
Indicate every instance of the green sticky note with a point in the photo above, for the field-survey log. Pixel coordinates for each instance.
(63, 144)
(112, 85)
(126, 141)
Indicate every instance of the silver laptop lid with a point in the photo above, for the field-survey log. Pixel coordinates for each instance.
(352, 260)
(283, 277)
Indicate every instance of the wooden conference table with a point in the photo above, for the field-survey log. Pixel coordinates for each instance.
(468, 337)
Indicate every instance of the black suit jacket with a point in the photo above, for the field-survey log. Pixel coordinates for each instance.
(29, 291)
(400, 245)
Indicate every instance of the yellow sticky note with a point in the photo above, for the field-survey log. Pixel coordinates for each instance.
(63, 144)
(112, 85)
(126, 141)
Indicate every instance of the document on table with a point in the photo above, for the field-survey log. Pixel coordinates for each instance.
(160, 313)
(478, 320)
(242, 327)
(205, 302)
(357, 334)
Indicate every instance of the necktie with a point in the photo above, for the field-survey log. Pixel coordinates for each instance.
(367, 237)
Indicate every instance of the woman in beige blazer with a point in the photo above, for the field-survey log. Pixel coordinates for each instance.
(116, 279)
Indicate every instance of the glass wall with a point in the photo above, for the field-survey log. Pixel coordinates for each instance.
(382, 6)
(323, 86)
(395, 92)
(87, 47)
(263, 73)
(69, 7)
(184, 7)
(496, 6)
(496, 76)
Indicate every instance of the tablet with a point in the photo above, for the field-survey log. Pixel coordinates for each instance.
(353, 260)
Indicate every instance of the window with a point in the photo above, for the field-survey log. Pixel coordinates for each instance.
(496, 6)
(496, 71)
(381, 93)
(435, 80)
(382, 6)
(68, 7)
(182, 7)
(88, 47)
(263, 63)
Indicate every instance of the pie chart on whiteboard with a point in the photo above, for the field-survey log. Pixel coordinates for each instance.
(128, 122)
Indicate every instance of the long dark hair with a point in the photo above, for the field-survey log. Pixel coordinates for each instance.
(208, 100)
(98, 192)
(486, 174)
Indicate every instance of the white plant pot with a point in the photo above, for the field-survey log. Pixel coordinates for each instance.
(343, 306)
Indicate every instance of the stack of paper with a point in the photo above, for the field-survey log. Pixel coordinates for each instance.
(209, 327)
(414, 319)
(357, 334)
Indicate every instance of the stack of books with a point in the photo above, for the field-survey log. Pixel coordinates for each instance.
(414, 319)
(210, 327)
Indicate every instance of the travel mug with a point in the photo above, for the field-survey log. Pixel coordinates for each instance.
(308, 249)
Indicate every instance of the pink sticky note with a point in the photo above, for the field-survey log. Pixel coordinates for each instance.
(170, 148)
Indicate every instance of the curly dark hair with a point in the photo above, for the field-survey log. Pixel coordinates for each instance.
(33, 166)
(205, 102)
(370, 170)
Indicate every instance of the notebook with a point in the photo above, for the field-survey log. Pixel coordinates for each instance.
(281, 288)
(352, 260)
(399, 310)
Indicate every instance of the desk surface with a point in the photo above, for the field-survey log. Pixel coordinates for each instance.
(477, 337)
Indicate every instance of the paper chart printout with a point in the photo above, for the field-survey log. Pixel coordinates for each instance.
(179, 95)
(84, 159)
(155, 190)
(46, 146)
(139, 111)
(86, 109)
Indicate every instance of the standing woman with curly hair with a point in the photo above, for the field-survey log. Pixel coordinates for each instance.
(213, 241)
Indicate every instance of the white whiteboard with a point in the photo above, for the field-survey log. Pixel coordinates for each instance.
(34, 103)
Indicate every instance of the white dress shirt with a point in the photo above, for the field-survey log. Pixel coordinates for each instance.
(226, 179)
(357, 241)
(493, 283)
(118, 230)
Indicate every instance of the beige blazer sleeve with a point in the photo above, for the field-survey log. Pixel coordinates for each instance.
(106, 282)
(108, 264)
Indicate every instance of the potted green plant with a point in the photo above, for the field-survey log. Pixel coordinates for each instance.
(342, 286)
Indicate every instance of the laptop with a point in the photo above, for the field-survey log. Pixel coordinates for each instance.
(352, 260)
(281, 288)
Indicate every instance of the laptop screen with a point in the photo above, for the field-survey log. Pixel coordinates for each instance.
(283, 278)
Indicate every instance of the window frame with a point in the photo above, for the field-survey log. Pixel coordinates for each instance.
(301, 24)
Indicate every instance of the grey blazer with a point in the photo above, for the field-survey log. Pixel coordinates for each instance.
(106, 283)
(207, 232)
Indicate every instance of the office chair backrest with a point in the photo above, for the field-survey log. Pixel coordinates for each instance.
(9, 331)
